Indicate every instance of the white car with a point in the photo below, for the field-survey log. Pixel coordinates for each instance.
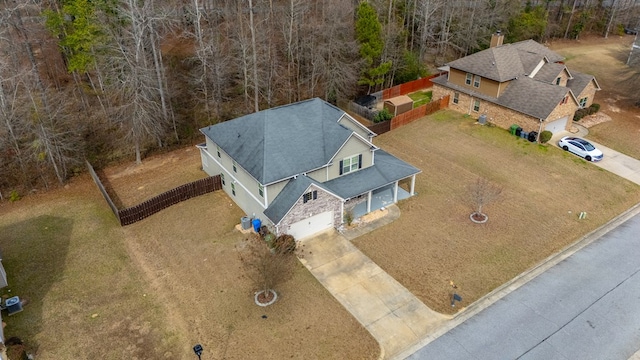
(580, 147)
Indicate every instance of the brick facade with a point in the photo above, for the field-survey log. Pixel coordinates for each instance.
(301, 210)
(501, 116)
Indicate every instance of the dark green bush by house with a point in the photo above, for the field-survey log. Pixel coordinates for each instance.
(595, 107)
(382, 115)
(545, 136)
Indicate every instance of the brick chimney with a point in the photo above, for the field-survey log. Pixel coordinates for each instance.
(496, 39)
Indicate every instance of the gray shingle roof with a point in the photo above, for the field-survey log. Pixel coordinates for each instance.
(550, 72)
(387, 169)
(294, 189)
(506, 62)
(532, 97)
(580, 82)
(519, 95)
(280, 142)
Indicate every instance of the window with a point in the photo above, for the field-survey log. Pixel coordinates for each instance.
(350, 164)
(476, 81)
(456, 97)
(468, 80)
(261, 190)
(311, 195)
(564, 100)
(583, 102)
(222, 178)
(476, 105)
(218, 150)
(558, 79)
(234, 167)
(233, 189)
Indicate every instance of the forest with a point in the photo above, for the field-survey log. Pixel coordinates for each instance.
(117, 80)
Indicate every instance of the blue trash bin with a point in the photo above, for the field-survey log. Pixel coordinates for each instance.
(256, 225)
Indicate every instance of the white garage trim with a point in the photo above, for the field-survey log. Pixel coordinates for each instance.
(557, 126)
(311, 225)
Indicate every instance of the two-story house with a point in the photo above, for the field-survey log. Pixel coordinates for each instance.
(523, 83)
(301, 167)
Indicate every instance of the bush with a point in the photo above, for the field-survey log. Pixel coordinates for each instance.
(14, 196)
(545, 136)
(284, 244)
(580, 114)
(595, 107)
(382, 115)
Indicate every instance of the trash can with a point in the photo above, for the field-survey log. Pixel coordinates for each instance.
(256, 225)
(524, 135)
(518, 131)
(533, 136)
(513, 128)
(245, 222)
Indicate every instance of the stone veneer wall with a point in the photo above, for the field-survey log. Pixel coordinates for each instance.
(301, 210)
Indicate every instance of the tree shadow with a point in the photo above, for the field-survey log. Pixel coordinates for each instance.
(34, 252)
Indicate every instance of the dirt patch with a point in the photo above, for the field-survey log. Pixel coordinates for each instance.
(594, 119)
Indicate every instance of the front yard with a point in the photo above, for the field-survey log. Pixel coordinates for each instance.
(156, 288)
(434, 242)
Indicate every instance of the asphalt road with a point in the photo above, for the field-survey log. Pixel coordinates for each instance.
(585, 307)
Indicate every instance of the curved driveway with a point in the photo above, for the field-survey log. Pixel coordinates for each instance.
(585, 307)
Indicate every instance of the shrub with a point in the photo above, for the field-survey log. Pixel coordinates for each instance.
(545, 136)
(382, 115)
(595, 107)
(284, 244)
(14, 196)
(580, 114)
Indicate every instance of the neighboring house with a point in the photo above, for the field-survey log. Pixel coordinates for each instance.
(301, 168)
(523, 83)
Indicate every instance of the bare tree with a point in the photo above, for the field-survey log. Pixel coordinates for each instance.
(266, 267)
(481, 193)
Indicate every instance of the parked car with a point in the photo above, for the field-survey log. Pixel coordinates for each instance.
(630, 31)
(580, 147)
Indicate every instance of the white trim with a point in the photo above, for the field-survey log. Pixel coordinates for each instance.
(538, 67)
(235, 180)
(345, 143)
(357, 123)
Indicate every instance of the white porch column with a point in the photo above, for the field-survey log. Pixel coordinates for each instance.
(413, 185)
(369, 202)
(395, 192)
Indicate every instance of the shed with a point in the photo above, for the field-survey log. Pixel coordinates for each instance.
(398, 105)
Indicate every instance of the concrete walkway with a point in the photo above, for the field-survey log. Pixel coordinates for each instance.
(394, 316)
(613, 161)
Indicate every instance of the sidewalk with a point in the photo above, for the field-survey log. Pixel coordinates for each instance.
(394, 316)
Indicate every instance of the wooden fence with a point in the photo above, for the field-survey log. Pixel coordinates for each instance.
(409, 87)
(417, 113)
(149, 207)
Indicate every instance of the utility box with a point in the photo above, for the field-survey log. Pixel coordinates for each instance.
(13, 305)
(482, 119)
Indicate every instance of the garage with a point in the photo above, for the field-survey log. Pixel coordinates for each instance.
(557, 125)
(311, 225)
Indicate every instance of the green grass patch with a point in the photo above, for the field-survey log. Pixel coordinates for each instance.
(421, 97)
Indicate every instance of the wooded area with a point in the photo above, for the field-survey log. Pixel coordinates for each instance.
(107, 80)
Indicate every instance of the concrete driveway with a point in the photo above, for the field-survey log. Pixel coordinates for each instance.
(613, 161)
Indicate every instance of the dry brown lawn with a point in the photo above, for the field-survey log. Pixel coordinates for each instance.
(606, 60)
(434, 242)
(154, 289)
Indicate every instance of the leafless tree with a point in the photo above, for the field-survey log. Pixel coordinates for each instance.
(481, 193)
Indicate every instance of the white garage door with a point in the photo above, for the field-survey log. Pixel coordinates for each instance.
(557, 125)
(311, 225)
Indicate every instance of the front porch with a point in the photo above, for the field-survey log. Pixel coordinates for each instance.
(380, 198)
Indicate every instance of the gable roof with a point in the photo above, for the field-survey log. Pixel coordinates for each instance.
(289, 195)
(518, 97)
(284, 141)
(506, 62)
(580, 81)
(386, 170)
(550, 72)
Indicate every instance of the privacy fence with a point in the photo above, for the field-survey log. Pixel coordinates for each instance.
(409, 87)
(149, 207)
